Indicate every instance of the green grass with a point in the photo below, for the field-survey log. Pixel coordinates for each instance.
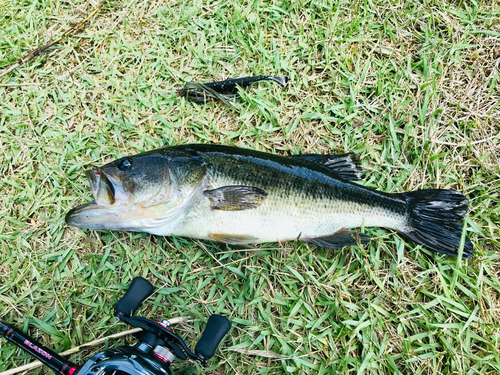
(422, 79)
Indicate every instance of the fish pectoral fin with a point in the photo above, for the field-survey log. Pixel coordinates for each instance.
(232, 239)
(235, 198)
(344, 166)
(339, 239)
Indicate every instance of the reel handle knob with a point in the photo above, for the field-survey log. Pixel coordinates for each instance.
(217, 327)
(137, 292)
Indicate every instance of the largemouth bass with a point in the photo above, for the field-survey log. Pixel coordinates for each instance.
(239, 196)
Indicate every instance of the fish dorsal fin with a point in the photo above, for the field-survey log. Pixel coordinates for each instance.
(235, 198)
(344, 166)
(232, 239)
(339, 239)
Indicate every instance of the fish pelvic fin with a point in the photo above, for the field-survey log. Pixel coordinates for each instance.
(232, 239)
(345, 166)
(435, 220)
(235, 198)
(339, 239)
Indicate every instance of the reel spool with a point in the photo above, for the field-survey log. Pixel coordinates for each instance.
(157, 348)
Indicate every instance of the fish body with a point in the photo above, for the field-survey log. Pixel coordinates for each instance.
(223, 90)
(241, 196)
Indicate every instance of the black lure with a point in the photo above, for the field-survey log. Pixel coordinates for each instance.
(223, 90)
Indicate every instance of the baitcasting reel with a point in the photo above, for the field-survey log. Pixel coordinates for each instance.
(157, 348)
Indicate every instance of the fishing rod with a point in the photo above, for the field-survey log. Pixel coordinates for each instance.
(157, 347)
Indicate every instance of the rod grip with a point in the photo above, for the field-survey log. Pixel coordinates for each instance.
(37, 350)
(217, 327)
(137, 292)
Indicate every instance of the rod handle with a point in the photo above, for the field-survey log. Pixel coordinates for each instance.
(37, 350)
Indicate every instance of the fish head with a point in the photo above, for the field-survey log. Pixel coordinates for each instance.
(131, 193)
(137, 180)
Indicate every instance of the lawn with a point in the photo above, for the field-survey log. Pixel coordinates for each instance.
(412, 86)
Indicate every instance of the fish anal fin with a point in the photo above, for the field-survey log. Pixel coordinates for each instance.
(345, 166)
(339, 239)
(235, 198)
(232, 239)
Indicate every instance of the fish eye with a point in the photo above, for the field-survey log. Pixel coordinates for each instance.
(124, 164)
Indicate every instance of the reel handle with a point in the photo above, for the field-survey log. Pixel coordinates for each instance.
(137, 292)
(217, 327)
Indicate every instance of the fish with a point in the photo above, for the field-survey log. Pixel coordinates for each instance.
(223, 90)
(240, 196)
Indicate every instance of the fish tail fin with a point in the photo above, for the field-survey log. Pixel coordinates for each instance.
(435, 220)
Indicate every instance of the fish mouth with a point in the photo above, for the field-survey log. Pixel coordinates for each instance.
(89, 216)
(105, 211)
(93, 216)
(102, 187)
